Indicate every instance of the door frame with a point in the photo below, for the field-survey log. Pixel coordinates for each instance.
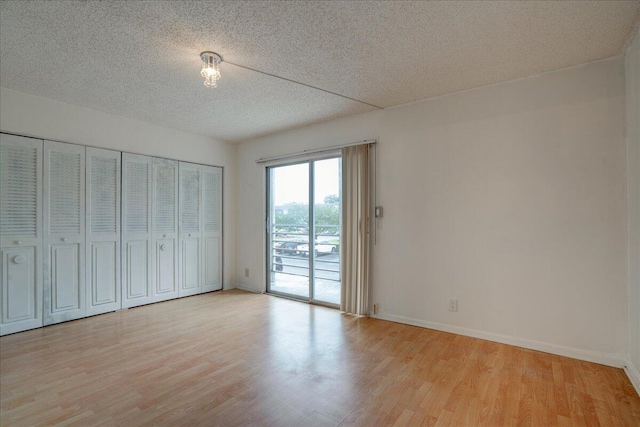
(311, 233)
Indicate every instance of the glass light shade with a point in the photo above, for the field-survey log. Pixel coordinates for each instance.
(210, 68)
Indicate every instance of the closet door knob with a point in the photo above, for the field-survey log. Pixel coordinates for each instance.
(64, 239)
(164, 235)
(162, 246)
(18, 259)
(18, 242)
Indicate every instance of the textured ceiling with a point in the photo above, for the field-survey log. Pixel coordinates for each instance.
(141, 59)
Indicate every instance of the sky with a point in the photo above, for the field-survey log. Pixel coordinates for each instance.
(291, 183)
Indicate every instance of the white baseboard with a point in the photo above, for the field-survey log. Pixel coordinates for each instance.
(634, 375)
(614, 360)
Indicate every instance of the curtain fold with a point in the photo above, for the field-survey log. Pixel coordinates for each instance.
(354, 251)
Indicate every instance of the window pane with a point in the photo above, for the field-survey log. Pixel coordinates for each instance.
(289, 213)
(327, 217)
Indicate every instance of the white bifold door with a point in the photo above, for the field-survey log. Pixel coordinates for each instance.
(190, 229)
(64, 225)
(165, 229)
(103, 231)
(200, 233)
(212, 228)
(85, 231)
(137, 198)
(20, 233)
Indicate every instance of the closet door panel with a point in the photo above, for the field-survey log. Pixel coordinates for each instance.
(20, 233)
(190, 268)
(137, 273)
(137, 199)
(166, 277)
(103, 231)
(165, 229)
(212, 228)
(21, 295)
(212, 279)
(65, 281)
(64, 232)
(190, 214)
(104, 278)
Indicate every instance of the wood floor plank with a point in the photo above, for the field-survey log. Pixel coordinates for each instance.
(233, 358)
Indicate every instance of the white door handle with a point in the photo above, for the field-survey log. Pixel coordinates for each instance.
(162, 246)
(64, 239)
(18, 259)
(18, 242)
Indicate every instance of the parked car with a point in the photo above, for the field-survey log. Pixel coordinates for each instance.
(278, 264)
(321, 248)
(287, 248)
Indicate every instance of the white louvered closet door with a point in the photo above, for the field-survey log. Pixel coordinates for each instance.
(103, 231)
(212, 228)
(189, 234)
(137, 190)
(20, 233)
(165, 229)
(64, 232)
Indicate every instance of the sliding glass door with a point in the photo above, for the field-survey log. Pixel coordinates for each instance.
(289, 219)
(303, 217)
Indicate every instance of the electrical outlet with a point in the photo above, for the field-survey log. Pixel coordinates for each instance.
(246, 272)
(453, 305)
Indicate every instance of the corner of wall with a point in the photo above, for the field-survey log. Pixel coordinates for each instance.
(634, 375)
(632, 92)
(248, 289)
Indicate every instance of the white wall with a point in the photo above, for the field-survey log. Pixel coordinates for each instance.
(632, 73)
(31, 115)
(510, 198)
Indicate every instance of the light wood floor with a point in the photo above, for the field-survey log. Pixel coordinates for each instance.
(234, 358)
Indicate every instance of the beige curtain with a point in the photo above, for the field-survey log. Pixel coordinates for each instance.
(354, 251)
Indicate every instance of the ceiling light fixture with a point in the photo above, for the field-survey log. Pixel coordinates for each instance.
(210, 68)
